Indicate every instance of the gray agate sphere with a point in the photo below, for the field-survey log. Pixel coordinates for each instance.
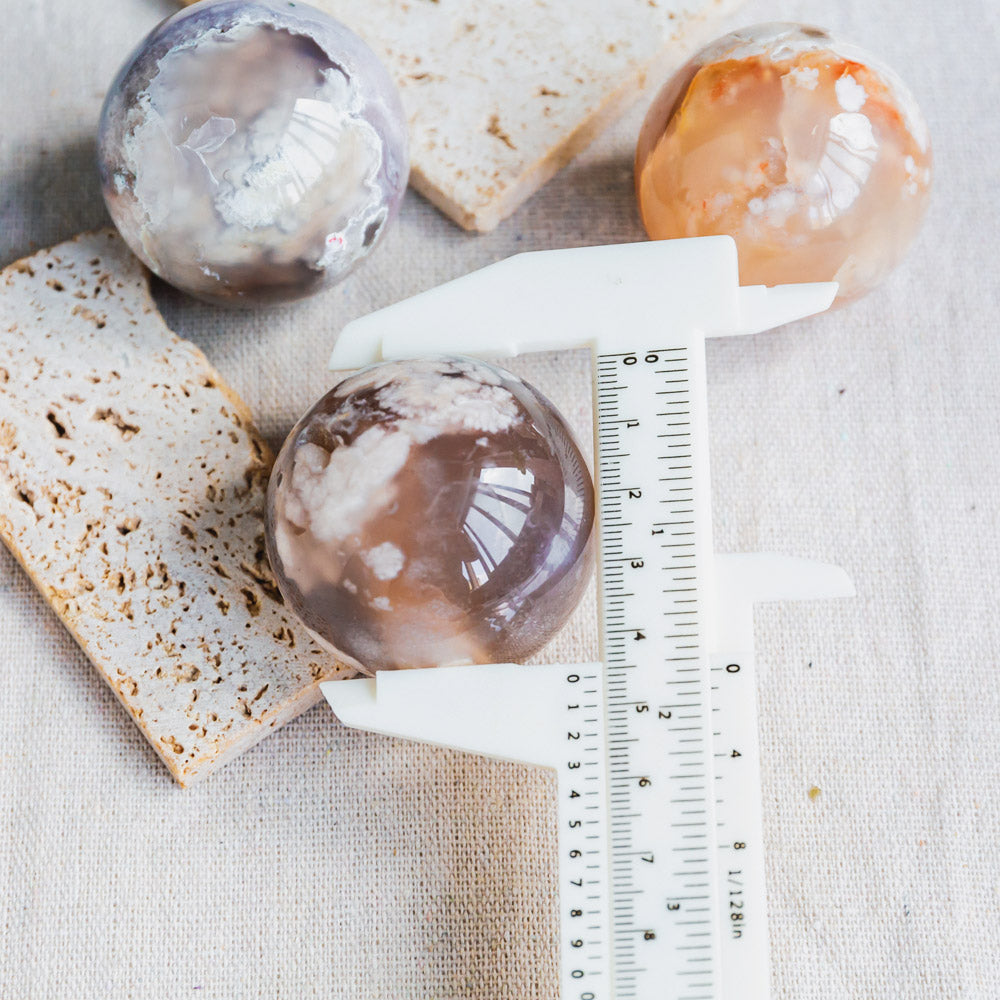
(252, 152)
(431, 512)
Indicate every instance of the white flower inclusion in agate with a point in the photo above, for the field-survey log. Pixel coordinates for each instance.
(813, 156)
(431, 512)
(252, 152)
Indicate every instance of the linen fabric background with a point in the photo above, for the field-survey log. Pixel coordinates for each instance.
(334, 864)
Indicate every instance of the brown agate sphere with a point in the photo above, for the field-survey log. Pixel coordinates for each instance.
(431, 512)
(810, 154)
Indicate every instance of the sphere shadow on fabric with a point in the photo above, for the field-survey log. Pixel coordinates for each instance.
(811, 154)
(432, 512)
(252, 152)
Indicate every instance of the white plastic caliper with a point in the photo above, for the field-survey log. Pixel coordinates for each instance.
(661, 868)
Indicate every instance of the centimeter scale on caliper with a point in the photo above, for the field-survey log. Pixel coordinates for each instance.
(660, 846)
(656, 566)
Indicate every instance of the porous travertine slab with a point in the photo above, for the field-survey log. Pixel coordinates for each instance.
(132, 488)
(499, 96)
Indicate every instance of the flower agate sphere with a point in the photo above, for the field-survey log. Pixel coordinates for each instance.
(813, 157)
(431, 512)
(252, 152)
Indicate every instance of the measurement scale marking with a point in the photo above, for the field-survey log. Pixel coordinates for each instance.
(637, 753)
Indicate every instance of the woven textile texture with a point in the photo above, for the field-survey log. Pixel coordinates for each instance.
(332, 864)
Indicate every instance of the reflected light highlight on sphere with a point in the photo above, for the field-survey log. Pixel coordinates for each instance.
(252, 152)
(813, 156)
(430, 512)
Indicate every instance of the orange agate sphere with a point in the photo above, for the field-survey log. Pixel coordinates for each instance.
(812, 156)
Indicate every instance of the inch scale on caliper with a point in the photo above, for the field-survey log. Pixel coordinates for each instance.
(661, 869)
